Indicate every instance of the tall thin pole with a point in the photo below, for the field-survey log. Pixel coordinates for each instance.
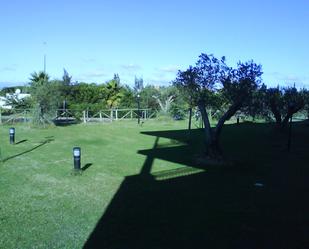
(138, 107)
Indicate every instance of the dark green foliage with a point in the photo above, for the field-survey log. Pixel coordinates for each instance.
(179, 107)
(128, 99)
(85, 94)
(236, 87)
(45, 95)
(305, 95)
(113, 94)
(147, 99)
(257, 106)
(282, 103)
(38, 78)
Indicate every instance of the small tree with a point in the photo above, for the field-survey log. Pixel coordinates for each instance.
(66, 78)
(45, 97)
(146, 97)
(186, 82)
(283, 103)
(66, 85)
(305, 94)
(165, 97)
(236, 87)
(257, 106)
(113, 92)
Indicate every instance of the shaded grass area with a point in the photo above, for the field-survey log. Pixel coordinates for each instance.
(144, 187)
(218, 207)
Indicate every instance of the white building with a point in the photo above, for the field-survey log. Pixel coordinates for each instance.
(16, 96)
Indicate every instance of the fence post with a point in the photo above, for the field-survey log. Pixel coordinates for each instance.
(111, 115)
(116, 114)
(84, 116)
(100, 116)
(131, 114)
(0, 116)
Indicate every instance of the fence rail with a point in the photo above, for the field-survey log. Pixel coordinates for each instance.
(104, 115)
(85, 116)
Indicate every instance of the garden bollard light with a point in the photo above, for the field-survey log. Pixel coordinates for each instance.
(76, 156)
(12, 135)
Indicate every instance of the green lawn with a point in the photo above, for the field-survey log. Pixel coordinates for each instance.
(146, 187)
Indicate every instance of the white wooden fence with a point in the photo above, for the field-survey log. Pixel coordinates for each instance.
(116, 115)
(85, 116)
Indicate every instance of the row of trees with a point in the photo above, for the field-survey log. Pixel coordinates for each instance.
(222, 91)
(211, 86)
(49, 95)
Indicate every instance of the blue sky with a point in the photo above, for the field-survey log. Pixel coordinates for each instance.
(93, 39)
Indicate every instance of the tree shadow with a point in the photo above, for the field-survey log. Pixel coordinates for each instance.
(65, 121)
(49, 137)
(21, 141)
(86, 166)
(194, 207)
(27, 151)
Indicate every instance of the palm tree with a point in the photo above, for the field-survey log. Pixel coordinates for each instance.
(114, 94)
(38, 78)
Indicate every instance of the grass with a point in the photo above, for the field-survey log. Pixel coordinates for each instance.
(143, 188)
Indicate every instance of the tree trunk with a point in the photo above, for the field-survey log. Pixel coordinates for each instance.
(286, 119)
(190, 118)
(207, 128)
(276, 113)
(213, 148)
(217, 131)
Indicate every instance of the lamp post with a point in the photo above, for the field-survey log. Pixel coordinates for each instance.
(76, 157)
(138, 106)
(12, 135)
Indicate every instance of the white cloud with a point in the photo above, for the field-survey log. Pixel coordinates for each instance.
(131, 67)
(169, 69)
(90, 76)
(8, 69)
(157, 81)
(89, 60)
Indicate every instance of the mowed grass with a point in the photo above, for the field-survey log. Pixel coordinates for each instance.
(44, 205)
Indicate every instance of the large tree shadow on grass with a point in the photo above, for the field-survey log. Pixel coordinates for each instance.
(196, 207)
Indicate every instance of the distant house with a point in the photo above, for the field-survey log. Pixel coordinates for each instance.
(17, 96)
(3, 103)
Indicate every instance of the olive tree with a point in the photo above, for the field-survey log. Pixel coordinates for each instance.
(210, 76)
(284, 102)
